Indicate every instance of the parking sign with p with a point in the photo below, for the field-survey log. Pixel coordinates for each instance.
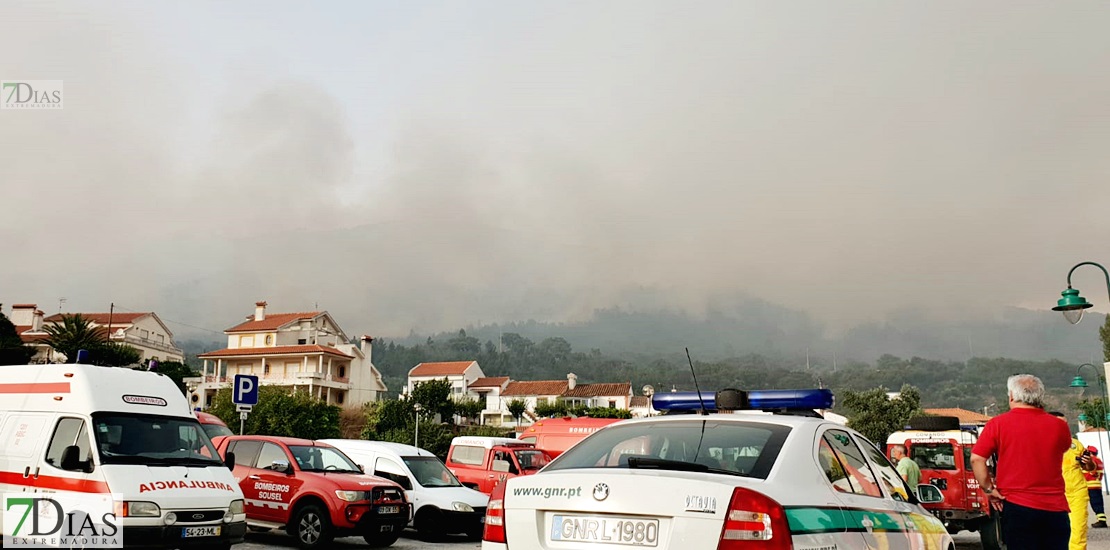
(245, 390)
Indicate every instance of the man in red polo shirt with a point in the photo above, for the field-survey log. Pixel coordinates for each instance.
(1029, 485)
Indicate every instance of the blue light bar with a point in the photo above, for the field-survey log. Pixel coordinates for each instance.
(685, 401)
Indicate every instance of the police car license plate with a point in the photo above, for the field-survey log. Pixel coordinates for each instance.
(189, 532)
(389, 510)
(607, 530)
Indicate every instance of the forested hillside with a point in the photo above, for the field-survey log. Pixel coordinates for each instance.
(971, 384)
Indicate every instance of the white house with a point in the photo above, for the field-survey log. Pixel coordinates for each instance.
(489, 390)
(142, 331)
(305, 352)
(617, 395)
(459, 373)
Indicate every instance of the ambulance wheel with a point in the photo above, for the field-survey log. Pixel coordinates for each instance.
(311, 527)
(429, 524)
(381, 540)
(990, 532)
(934, 423)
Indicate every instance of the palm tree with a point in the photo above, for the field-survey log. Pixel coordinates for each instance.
(74, 333)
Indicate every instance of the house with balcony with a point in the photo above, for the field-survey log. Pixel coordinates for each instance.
(304, 352)
(142, 331)
(489, 390)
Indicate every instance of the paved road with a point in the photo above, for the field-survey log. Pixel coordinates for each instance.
(274, 540)
(1098, 539)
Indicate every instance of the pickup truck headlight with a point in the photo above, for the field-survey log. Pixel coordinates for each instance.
(351, 496)
(462, 507)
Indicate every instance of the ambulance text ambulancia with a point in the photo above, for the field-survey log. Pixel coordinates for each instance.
(86, 430)
(726, 481)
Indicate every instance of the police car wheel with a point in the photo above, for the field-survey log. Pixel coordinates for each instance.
(311, 527)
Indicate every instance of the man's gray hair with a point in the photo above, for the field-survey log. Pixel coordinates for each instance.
(1026, 388)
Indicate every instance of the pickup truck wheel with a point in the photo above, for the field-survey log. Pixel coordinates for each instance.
(381, 540)
(990, 532)
(311, 527)
(429, 524)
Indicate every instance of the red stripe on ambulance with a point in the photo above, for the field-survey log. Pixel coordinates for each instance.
(54, 482)
(39, 387)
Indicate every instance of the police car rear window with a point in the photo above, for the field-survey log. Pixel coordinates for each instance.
(746, 449)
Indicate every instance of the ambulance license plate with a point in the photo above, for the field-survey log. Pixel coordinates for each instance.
(389, 510)
(605, 530)
(190, 532)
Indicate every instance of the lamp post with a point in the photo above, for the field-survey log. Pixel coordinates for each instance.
(1079, 382)
(416, 438)
(1071, 304)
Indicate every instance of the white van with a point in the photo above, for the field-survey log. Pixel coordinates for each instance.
(441, 504)
(71, 430)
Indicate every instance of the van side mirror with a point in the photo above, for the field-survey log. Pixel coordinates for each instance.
(71, 460)
(362, 468)
(929, 494)
(229, 460)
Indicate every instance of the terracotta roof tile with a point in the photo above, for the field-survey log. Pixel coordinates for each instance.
(599, 390)
(440, 369)
(965, 416)
(489, 382)
(29, 338)
(276, 350)
(536, 387)
(272, 321)
(118, 318)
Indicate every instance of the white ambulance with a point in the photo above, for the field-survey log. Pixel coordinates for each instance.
(67, 429)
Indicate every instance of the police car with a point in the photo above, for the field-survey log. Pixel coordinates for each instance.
(745, 480)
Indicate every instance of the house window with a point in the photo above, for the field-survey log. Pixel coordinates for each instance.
(612, 404)
(301, 341)
(342, 374)
(269, 339)
(266, 369)
(161, 339)
(339, 397)
(144, 333)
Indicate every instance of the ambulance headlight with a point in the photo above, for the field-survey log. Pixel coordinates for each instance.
(462, 507)
(141, 510)
(170, 519)
(233, 509)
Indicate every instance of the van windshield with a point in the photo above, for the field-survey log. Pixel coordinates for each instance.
(430, 472)
(153, 440)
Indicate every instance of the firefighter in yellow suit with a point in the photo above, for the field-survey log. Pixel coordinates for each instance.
(1076, 459)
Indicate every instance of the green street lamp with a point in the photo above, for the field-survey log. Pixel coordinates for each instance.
(1080, 382)
(1071, 304)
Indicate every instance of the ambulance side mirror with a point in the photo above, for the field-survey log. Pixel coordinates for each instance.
(229, 460)
(71, 460)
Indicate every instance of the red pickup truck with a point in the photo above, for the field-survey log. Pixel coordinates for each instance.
(313, 491)
(483, 462)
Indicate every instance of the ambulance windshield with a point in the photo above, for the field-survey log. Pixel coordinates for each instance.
(152, 440)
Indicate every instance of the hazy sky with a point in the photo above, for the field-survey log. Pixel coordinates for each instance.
(424, 165)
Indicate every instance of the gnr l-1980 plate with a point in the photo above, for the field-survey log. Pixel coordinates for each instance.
(605, 529)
